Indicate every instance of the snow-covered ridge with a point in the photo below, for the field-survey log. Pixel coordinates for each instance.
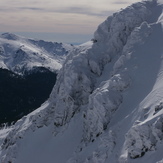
(20, 54)
(107, 103)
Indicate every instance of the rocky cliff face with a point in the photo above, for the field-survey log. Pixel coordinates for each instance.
(106, 105)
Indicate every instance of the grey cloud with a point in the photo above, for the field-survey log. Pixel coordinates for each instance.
(19, 9)
(30, 8)
(84, 10)
(5, 9)
(120, 2)
(71, 10)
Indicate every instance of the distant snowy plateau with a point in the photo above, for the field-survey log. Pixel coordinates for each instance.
(107, 103)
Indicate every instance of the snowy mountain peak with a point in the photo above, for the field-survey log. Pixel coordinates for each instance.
(106, 105)
(20, 54)
(10, 36)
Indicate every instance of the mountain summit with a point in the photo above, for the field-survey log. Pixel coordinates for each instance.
(107, 103)
(19, 54)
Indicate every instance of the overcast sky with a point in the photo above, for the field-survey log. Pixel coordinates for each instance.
(70, 21)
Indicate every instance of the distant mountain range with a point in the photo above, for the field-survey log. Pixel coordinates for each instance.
(19, 54)
(28, 71)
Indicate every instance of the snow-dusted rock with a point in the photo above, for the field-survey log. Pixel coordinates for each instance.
(144, 137)
(103, 102)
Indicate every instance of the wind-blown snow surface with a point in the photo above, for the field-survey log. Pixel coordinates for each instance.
(19, 54)
(106, 106)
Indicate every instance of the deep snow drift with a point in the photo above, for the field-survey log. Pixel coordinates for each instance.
(106, 106)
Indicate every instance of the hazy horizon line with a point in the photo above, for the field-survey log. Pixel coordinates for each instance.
(68, 38)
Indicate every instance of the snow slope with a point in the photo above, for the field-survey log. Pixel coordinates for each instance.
(106, 106)
(20, 54)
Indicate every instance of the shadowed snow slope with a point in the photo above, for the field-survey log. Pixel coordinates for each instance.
(107, 104)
